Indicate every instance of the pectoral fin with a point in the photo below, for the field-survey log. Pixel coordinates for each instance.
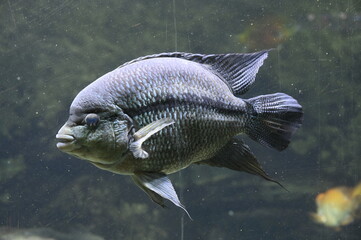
(236, 155)
(146, 132)
(158, 186)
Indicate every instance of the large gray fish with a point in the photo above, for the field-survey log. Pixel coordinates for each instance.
(161, 113)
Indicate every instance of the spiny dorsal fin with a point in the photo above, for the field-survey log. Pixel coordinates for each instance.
(237, 69)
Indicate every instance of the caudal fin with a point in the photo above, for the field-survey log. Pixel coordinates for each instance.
(274, 118)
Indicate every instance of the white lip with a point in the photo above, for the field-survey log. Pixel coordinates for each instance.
(63, 146)
(65, 139)
(65, 142)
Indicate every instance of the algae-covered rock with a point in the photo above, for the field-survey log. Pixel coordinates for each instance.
(44, 234)
(107, 203)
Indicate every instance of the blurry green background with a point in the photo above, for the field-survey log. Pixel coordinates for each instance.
(50, 50)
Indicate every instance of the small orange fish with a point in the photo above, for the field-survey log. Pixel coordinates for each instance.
(267, 32)
(338, 206)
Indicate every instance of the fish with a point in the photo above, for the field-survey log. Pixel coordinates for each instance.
(161, 113)
(338, 206)
(268, 31)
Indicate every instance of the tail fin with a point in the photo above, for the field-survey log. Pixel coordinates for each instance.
(274, 119)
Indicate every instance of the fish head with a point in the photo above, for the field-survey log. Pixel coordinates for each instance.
(95, 131)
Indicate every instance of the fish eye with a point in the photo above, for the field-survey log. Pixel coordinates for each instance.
(92, 120)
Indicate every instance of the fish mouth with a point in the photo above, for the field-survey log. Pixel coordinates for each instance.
(65, 139)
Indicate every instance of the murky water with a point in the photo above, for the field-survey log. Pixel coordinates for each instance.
(50, 50)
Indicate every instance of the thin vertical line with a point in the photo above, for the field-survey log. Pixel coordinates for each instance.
(12, 14)
(187, 17)
(175, 28)
(179, 173)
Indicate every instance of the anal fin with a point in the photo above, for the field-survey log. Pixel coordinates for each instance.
(236, 155)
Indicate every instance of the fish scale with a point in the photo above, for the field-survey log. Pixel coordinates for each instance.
(168, 83)
(213, 126)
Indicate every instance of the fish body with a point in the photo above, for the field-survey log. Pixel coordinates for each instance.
(161, 113)
(205, 111)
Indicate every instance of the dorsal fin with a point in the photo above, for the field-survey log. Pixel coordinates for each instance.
(237, 69)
